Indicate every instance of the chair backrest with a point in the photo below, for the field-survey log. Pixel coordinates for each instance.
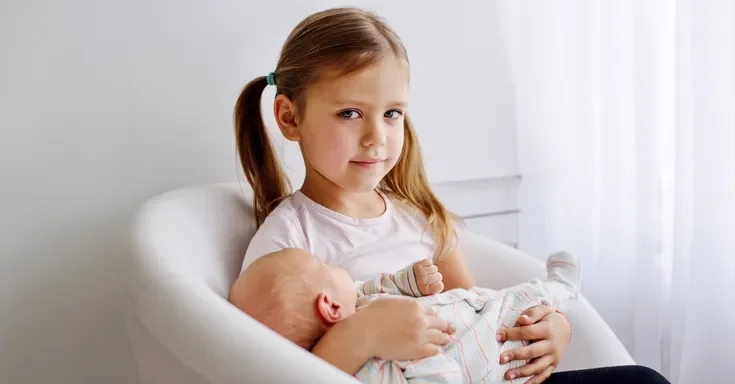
(201, 231)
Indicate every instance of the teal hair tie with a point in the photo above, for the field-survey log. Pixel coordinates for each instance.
(271, 79)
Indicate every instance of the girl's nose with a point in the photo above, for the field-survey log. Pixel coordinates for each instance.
(374, 134)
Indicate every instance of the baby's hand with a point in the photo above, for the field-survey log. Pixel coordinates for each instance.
(428, 277)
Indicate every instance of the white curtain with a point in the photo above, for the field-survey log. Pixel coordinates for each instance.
(626, 129)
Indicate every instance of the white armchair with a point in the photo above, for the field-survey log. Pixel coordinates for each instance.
(187, 250)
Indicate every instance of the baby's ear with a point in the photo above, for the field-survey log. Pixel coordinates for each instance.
(329, 310)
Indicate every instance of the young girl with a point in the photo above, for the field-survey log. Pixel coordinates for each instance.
(366, 205)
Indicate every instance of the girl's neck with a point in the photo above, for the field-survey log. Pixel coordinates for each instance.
(358, 205)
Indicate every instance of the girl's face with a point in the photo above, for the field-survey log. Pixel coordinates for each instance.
(351, 129)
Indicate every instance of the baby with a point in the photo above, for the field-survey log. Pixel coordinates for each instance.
(300, 298)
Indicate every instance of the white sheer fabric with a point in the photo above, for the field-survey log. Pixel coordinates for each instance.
(626, 128)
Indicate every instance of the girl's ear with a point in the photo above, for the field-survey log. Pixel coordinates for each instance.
(285, 113)
(329, 310)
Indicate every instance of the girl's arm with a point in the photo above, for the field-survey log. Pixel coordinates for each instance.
(344, 346)
(454, 271)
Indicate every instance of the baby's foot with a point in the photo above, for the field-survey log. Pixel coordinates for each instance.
(564, 268)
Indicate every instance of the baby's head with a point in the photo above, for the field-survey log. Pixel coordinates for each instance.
(296, 295)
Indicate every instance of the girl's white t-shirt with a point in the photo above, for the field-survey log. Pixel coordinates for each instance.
(365, 248)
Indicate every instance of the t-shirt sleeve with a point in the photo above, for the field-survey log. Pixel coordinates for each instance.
(276, 233)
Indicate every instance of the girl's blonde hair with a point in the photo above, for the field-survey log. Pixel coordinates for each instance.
(345, 39)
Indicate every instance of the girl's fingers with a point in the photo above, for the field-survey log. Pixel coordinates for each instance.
(428, 350)
(535, 367)
(437, 337)
(534, 315)
(541, 377)
(434, 322)
(538, 331)
(537, 349)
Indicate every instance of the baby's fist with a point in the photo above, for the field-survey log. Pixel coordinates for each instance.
(428, 277)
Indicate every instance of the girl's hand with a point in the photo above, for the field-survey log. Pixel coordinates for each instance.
(419, 334)
(428, 278)
(549, 333)
(375, 332)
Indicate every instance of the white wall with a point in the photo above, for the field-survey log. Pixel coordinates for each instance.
(104, 104)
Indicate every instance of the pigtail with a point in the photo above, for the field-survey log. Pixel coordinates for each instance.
(257, 157)
(408, 181)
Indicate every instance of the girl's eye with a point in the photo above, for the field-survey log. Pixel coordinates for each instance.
(393, 114)
(349, 114)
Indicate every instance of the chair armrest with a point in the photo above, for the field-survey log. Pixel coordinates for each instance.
(496, 266)
(593, 343)
(210, 336)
